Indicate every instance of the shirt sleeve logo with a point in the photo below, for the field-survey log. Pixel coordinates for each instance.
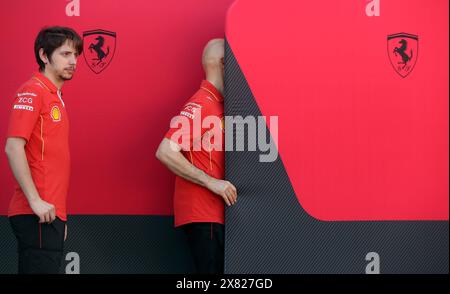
(23, 107)
(55, 113)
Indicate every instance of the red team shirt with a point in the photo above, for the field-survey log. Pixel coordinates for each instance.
(192, 202)
(39, 116)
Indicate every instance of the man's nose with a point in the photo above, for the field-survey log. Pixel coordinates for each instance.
(73, 60)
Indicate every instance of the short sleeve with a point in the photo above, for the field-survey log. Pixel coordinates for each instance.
(186, 128)
(25, 113)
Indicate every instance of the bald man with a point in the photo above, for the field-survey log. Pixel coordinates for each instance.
(193, 149)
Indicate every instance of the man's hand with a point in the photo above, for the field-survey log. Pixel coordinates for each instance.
(224, 189)
(44, 210)
(15, 150)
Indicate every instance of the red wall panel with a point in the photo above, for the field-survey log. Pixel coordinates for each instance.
(119, 116)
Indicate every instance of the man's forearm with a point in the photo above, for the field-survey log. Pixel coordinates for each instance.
(169, 154)
(21, 171)
(179, 165)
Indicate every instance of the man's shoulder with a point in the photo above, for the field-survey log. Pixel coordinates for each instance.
(32, 88)
(201, 99)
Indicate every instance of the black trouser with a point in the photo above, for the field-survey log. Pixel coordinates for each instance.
(40, 246)
(206, 241)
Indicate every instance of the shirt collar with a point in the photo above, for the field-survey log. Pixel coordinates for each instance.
(208, 87)
(42, 79)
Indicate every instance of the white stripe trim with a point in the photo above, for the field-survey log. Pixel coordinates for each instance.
(60, 98)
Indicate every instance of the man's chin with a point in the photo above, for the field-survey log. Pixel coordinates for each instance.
(66, 77)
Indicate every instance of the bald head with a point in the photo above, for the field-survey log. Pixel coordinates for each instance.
(212, 60)
(213, 54)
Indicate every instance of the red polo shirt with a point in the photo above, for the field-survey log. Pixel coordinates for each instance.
(39, 116)
(193, 203)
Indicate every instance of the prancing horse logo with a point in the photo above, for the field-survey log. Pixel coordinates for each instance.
(99, 48)
(402, 50)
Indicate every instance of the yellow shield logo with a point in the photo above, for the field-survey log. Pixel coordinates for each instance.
(55, 113)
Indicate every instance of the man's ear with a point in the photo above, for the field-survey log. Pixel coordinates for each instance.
(43, 56)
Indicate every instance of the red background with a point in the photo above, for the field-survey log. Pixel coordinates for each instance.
(119, 116)
(358, 141)
(370, 145)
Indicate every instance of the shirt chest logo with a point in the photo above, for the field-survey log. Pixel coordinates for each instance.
(55, 114)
